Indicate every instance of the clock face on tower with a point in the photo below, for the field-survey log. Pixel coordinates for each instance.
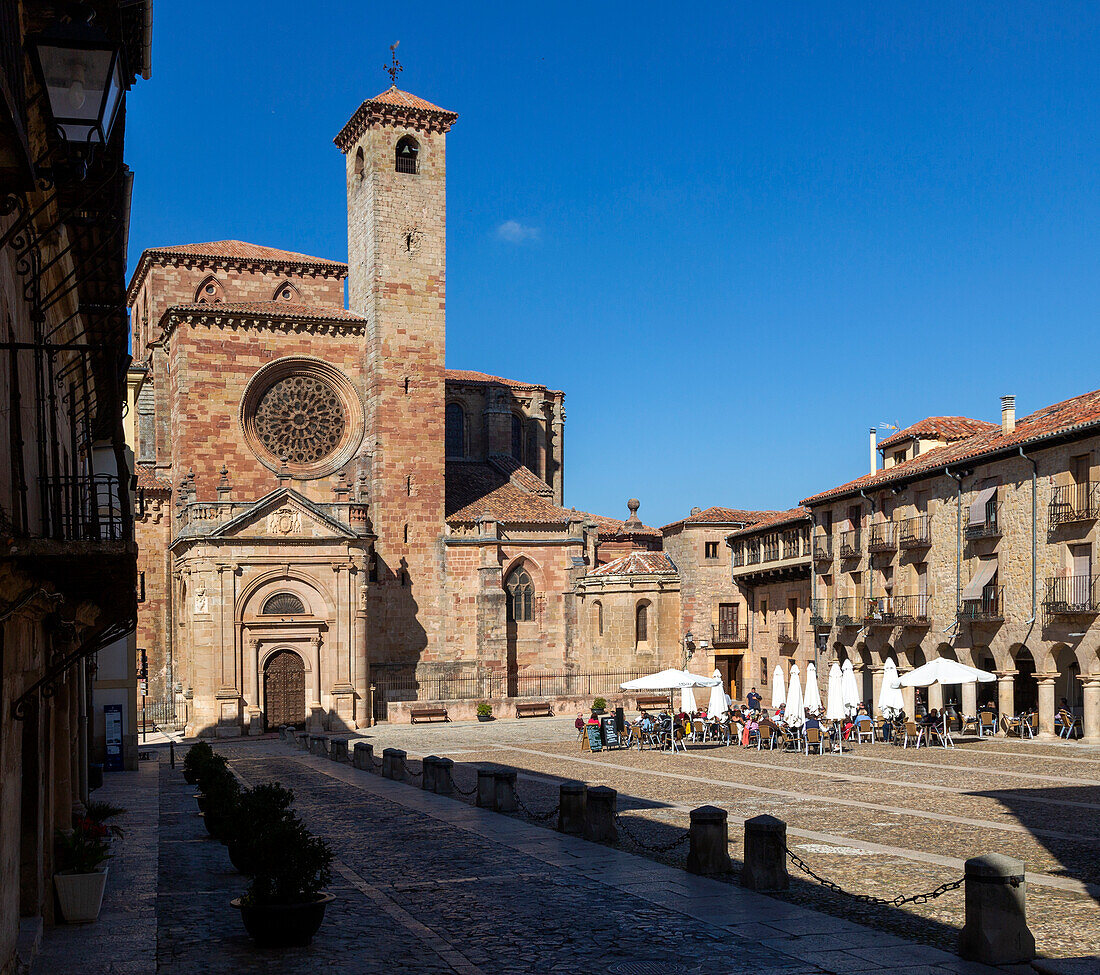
(304, 413)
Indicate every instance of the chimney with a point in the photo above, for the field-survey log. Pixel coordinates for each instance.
(1008, 414)
(874, 450)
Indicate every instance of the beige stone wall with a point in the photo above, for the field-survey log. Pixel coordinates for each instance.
(705, 583)
(768, 645)
(617, 648)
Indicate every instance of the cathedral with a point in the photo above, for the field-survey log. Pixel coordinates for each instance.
(323, 502)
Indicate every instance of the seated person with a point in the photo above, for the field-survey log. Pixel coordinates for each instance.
(750, 725)
(811, 720)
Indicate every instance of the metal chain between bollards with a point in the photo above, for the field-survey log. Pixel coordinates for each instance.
(458, 789)
(534, 815)
(870, 898)
(409, 771)
(652, 848)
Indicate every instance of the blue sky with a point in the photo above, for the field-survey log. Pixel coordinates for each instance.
(736, 234)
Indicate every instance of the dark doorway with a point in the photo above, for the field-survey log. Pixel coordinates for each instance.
(1025, 692)
(284, 690)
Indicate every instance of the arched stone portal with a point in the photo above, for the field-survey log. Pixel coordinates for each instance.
(284, 690)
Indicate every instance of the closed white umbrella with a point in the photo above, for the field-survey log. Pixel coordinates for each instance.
(834, 708)
(795, 717)
(813, 692)
(779, 693)
(890, 701)
(849, 692)
(943, 670)
(717, 707)
(687, 701)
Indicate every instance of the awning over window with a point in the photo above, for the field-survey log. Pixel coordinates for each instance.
(987, 569)
(977, 506)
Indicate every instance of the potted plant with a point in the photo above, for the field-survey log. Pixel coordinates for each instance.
(285, 903)
(213, 769)
(81, 855)
(221, 793)
(484, 711)
(256, 810)
(599, 705)
(99, 812)
(197, 756)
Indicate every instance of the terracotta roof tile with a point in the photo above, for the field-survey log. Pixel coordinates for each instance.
(406, 99)
(394, 106)
(149, 480)
(775, 520)
(636, 563)
(278, 309)
(475, 489)
(520, 475)
(949, 428)
(484, 379)
(1066, 417)
(720, 516)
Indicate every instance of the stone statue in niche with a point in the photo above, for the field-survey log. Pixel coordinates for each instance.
(285, 521)
(202, 604)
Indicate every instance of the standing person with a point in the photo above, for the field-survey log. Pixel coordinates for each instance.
(753, 700)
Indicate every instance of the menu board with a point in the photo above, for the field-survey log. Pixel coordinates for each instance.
(595, 742)
(610, 735)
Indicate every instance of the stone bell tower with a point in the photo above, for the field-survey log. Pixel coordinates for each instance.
(395, 152)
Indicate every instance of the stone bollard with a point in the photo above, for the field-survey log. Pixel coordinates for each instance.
(710, 841)
(429, 768)
(338, 749)
(765, 854)
(393, 764)
(318, 745)
(996, 931)
(486, 788)
(297, 738)
(504, 791)
(444, 777)
(571, 802)
(599, 815)
(363, 756)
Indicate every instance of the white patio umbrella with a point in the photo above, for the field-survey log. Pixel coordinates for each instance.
(669, 680)
(849, 692)
(943, 670)
(890, 701)
(687, 701)
(813, 692)
(795, 717)
(834, 708)
(779, 693)
(717, 707)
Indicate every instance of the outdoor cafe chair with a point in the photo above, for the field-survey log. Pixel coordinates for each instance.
(1012, 726)
(987, 723)
(814, 739)
(865, 729)
(1070, 725)
(766, 736)
(1031, 725)
(940, 734)
(912, 734)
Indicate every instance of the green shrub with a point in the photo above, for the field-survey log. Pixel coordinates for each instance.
(83, 849)
(255, 812)
(197, 756)
(100, 812)
(600, 704)
(484, 708)
(292, 864)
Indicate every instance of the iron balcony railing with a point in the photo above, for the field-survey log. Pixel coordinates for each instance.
(896, 610)
(788, 632)
(989, 606)
(1072, 595)
(1073, 502)
(771, 548)
(883, 538)
(823, 548)
(845, 611)
(991, 527)
(738, 557)
(821, 613)
(729, 635)
(851, 544)
(877, 610)
(753, 556)
(915, 532)
(84, 509)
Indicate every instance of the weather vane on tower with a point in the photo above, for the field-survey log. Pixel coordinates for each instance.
(394, 69)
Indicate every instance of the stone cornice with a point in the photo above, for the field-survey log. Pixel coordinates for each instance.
(236, 319)
(372, 112)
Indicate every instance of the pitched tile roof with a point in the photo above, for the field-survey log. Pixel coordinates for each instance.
(777, 519)
(474, 489)
(278, 309)
(720, 516)
(520, 475)
(394, 105)
(949, 428)
(636, 563)
(1060, 419)
(406, 99)
(149, 480)
(484, 379)
(233, 252)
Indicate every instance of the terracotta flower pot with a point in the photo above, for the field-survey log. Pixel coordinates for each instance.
(80, 894)
(284, 925)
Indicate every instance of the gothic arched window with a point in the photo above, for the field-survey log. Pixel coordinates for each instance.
(456, 431)
(286, 292)
(210, 292)
(521, 595)
(407, 155)
(283, 604)
(641, 623)
(517, 438)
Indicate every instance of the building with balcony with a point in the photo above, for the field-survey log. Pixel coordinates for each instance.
(770, 569)
(981, 542)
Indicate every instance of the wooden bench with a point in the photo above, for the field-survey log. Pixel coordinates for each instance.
(427, 714)
(535, 709)
(647, 701)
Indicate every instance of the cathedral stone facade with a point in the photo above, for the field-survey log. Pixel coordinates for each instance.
(326, 504)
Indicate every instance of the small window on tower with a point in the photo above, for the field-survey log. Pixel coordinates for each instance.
(359, 163)
(407, 156)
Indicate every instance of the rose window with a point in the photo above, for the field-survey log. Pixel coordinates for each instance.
(300, 418)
